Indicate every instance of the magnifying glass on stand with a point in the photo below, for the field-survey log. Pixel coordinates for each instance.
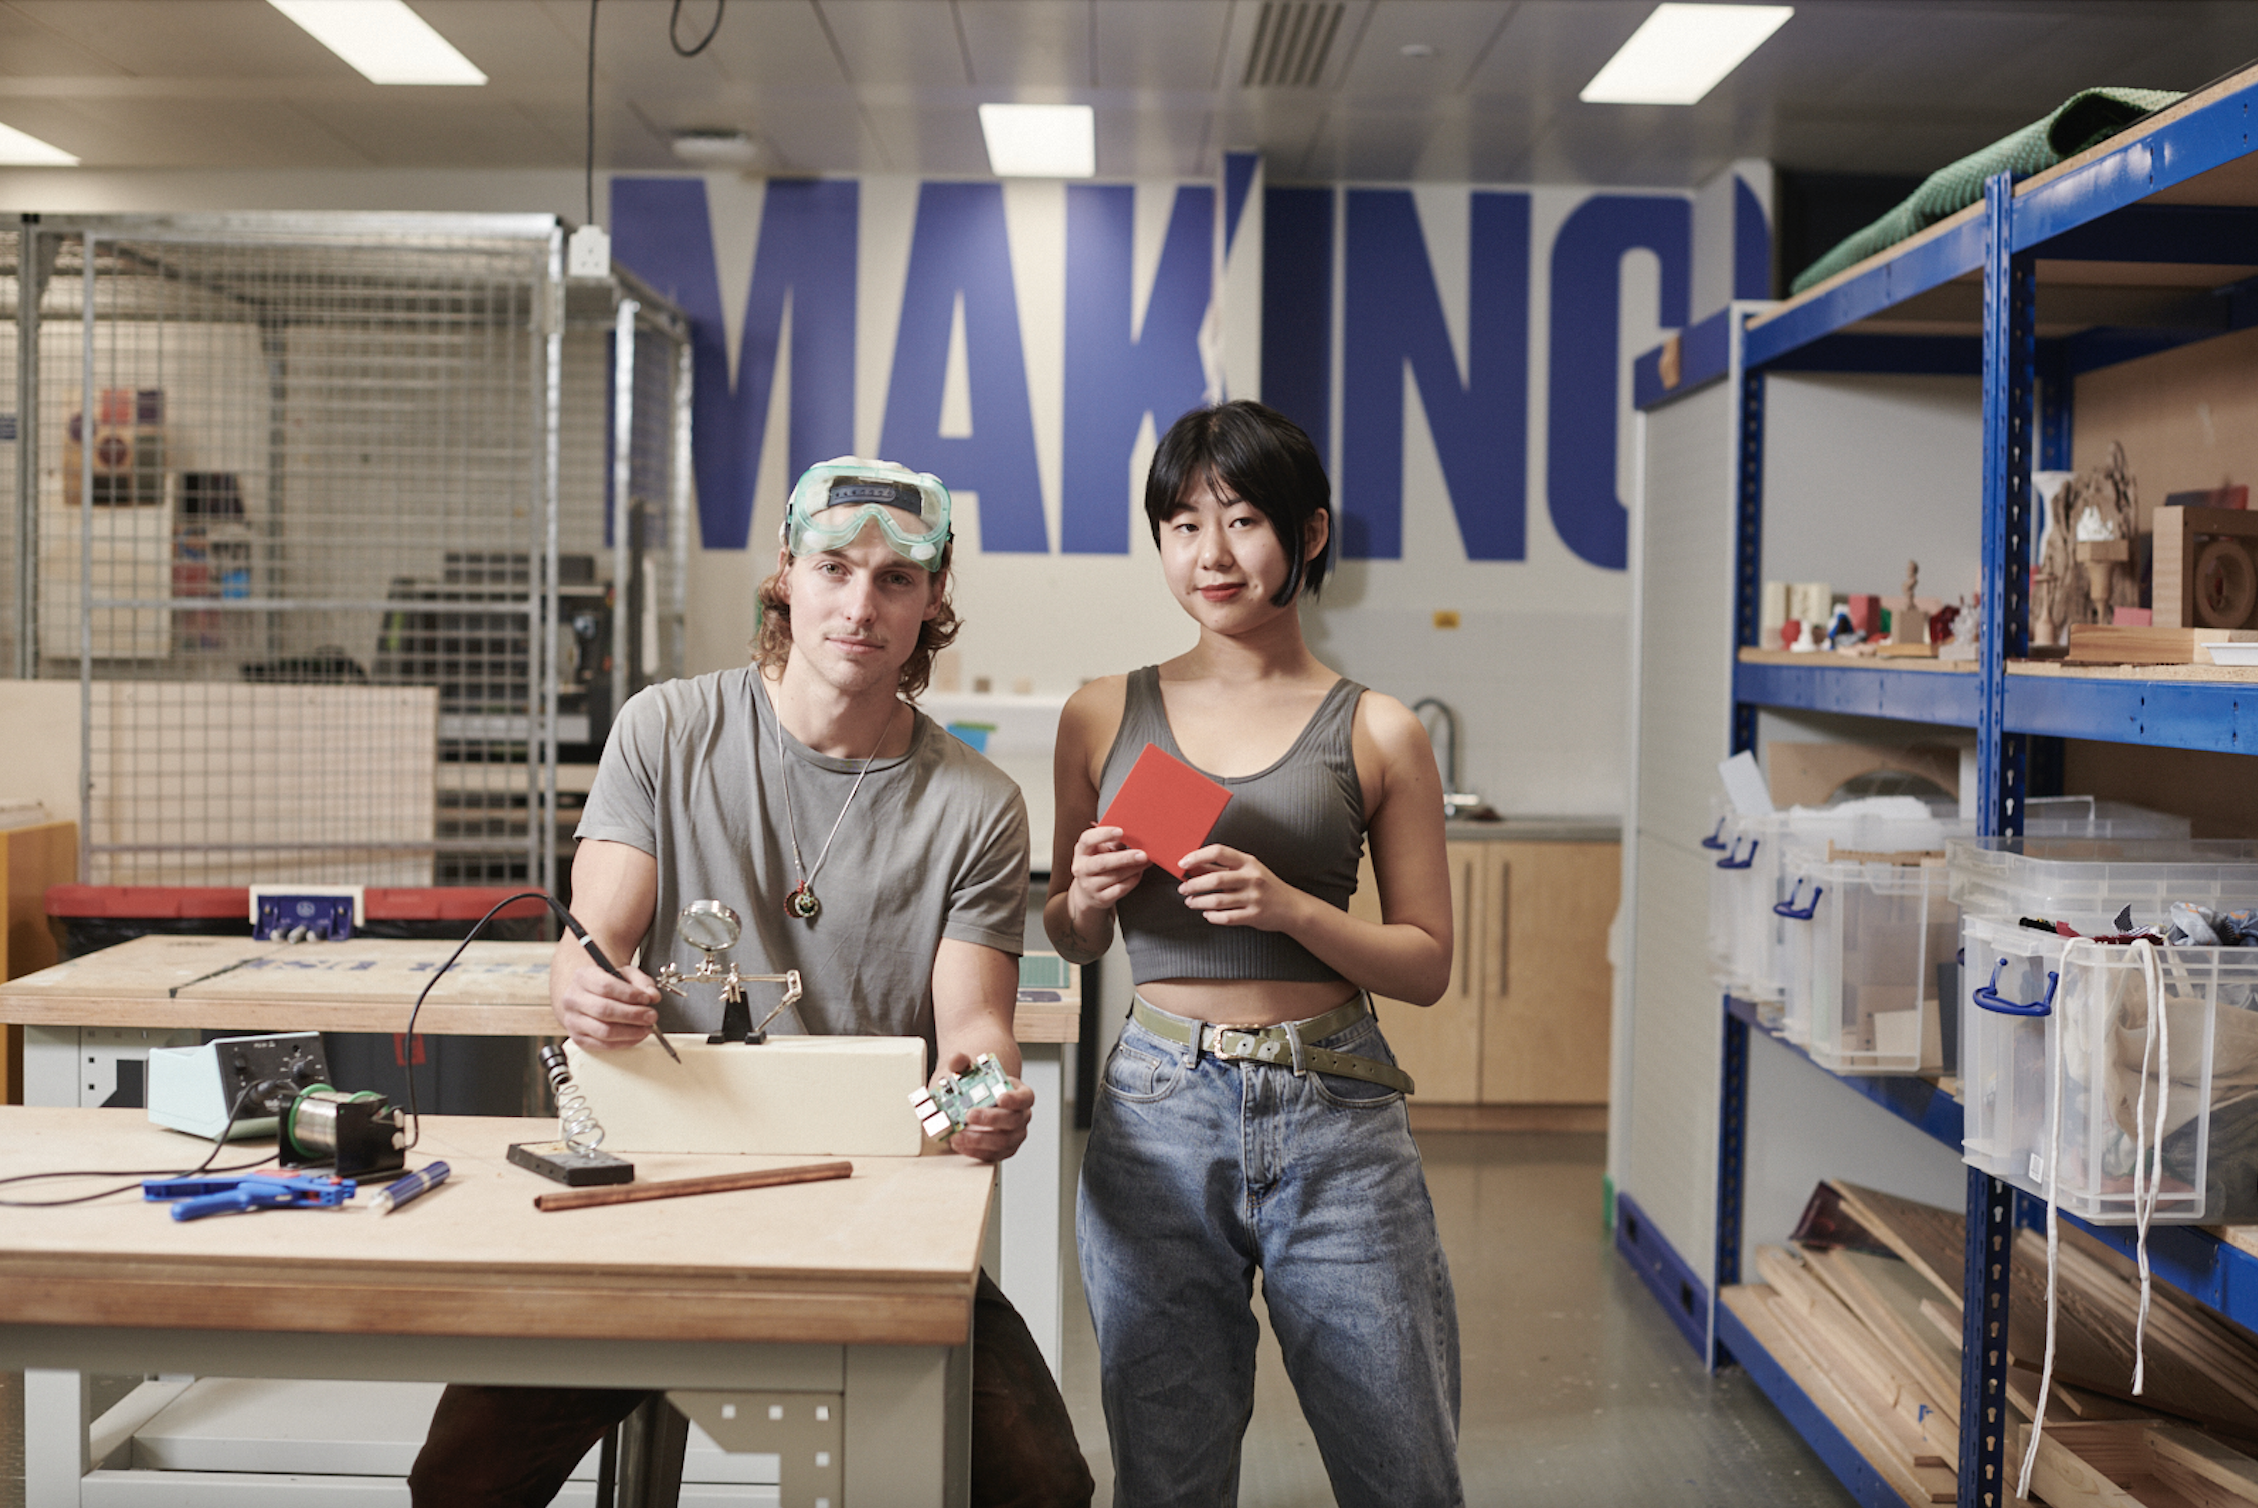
(712, 929)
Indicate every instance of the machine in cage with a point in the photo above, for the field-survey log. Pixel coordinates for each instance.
(350, 527)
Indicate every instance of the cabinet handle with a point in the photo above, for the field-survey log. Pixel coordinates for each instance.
(1504, 927)
(1462, 916)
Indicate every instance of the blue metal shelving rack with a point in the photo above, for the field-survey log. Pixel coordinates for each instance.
(2182, 188)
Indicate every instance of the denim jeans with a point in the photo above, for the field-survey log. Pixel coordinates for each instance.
(1197, 1175)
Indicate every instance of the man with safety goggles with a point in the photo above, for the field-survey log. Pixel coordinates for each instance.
(866, 848)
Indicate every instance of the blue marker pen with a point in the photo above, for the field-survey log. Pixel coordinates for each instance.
(401, 1190)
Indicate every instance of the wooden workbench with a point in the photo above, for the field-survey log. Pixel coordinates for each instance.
(860, 1289)
(162, 990)
(498, 989)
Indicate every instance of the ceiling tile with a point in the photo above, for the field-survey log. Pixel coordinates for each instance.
(1029, 44)
(28, 49)
(522, 46)
(173, 133)
(897, 41)
(826, 138)
(189, 38)
(1551, 48)
(1457, 34)
(439, 133)
(1162, 44)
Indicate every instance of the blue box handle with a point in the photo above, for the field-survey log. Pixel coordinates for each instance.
(1715, 842)
(1735, 859)
(1988, 997)
(1787, 908)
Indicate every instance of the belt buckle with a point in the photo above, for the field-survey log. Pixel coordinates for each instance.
(1211, 1041)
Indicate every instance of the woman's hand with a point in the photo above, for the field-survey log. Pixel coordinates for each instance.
(1104, 870)
(1237, 889)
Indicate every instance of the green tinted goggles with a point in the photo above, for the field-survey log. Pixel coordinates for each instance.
(834, 501)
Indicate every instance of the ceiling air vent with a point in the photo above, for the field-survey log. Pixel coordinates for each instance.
(1291, 41)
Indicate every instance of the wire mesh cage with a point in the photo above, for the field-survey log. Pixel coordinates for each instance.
(317, 509)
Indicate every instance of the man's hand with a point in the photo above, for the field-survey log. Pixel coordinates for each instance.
(992, 1134)
(597, 1010)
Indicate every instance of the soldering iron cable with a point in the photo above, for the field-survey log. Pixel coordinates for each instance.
(251, 1092)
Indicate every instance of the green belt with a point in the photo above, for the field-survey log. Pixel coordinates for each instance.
(1284, 1046)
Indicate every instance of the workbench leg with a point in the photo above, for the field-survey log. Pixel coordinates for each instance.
(909, 1411)
(57, 1406)
(1033, 1256)
(51, 1065)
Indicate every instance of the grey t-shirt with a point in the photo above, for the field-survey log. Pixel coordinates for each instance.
(934, 846)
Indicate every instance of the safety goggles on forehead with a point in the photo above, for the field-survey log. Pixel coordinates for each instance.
(835, 500)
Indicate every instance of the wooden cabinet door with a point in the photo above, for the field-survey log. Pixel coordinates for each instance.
(1440, 1045)
(1547, 987)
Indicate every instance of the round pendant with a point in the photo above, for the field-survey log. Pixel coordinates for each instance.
(802, 904)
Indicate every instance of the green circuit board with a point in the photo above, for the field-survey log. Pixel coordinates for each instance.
(941, 1110)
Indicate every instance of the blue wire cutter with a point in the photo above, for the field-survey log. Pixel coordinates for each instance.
(240, 1192)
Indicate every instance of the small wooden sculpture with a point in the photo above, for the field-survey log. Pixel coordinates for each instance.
(1908, 624)
(2085, 566)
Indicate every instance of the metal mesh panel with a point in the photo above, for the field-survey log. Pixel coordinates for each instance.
(296, 507)
(12, 451)
(656, 621)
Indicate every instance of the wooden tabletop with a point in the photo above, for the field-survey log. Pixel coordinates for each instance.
(498, 989)
(888, 1256)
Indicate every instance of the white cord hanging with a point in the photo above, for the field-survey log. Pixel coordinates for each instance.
(2053, 1227)
(2147, 1187)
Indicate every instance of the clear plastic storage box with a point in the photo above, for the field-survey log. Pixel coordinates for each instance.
(1872, 935)
(1872, 976)
(1761, 899)
(2055, 1026)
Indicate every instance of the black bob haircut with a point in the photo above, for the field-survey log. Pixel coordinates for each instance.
(1261, 456)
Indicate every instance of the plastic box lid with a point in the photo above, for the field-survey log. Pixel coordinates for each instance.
(2049, 876)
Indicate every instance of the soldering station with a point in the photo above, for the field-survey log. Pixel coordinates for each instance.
(329, 1139)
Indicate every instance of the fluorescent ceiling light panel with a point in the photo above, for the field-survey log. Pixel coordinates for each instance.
(1041, 141)
(1681, 52)
(20, 150)
(383, 39)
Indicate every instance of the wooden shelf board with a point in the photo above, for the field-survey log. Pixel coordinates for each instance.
(1825, 659)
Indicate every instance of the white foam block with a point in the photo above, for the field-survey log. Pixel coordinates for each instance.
(792, 1096)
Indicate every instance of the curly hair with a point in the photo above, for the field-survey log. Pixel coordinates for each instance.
(772, 642)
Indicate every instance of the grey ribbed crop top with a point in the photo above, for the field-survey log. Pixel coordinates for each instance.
(1303, 817)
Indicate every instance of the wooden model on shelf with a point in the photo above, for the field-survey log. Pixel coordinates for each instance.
(2086, 566)
(1909, 624)
(2206, 568)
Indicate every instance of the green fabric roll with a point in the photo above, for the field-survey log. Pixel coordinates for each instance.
(2084, 119)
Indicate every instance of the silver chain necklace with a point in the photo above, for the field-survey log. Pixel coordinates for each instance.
(802, 904)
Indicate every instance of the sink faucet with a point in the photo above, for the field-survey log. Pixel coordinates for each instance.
(1454, 799)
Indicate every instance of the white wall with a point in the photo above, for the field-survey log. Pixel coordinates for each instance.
(1535, 668)
(1863, 473)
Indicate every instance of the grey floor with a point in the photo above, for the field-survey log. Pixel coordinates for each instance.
(1577, 1389)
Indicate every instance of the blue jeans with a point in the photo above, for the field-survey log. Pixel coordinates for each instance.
(1197, 1174)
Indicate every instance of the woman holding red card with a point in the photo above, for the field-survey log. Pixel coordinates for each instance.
(1251, 1116)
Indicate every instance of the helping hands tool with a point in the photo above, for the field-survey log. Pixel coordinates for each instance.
(194, 1198)
(712, 928)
